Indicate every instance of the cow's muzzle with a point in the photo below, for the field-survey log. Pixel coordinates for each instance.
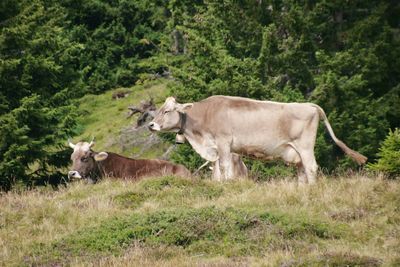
(74, 174)
(154, 126)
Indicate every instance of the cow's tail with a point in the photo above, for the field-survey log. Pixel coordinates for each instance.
(360, 159)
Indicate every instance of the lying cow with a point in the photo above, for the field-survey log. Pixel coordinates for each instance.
(220, 125)
(92, 165)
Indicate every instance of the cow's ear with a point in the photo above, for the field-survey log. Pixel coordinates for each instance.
(182, 107)
(100, 156)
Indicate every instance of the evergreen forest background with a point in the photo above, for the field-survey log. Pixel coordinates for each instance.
(343, 55)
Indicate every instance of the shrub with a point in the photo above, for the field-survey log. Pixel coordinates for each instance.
(389, 155)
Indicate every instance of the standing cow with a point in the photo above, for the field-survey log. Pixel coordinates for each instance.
(92, 165)
(148, 110)
(220, 125)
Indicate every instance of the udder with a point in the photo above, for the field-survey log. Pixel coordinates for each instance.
(290, 155)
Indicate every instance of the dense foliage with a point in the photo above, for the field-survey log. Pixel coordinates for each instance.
(52, 52)
(37, 78)
(343, 55)
(389, 155)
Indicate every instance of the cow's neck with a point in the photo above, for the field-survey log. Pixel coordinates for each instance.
(182, 119)
(190, 132)
(201, 141)
(96, 173)
(103, 167)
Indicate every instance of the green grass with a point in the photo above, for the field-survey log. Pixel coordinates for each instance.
(170, 221)
(207, 230)
(104, 118)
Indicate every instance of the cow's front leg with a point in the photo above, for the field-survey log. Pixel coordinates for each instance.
(216, 171)
(225, 161)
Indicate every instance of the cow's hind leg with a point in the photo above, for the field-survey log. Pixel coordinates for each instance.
(305, 147)
(310, 166)
(292, 155)
(301, 173)
(305, 161)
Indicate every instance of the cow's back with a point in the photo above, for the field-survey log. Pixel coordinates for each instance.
(180, 170)
(121, 167)
(219, 106)
(163, 167)
(226, 112)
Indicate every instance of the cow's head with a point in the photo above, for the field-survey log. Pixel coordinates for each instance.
(147, 110)
(84, 161)
(169, 117)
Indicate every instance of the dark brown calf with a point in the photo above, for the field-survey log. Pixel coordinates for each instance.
(118, 166)
(92, 165)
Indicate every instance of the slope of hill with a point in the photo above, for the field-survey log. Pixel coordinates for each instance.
(105, 119)
(347, 221)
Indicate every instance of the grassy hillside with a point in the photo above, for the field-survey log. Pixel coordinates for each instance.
(169, 221)
(348, 221)
(105, 119)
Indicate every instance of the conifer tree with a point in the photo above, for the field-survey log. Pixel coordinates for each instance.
(389, 155)
(37, 79)
(342, 55)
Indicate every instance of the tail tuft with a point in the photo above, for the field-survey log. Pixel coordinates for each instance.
(359, 158)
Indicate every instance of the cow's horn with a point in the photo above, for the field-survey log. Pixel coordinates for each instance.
(71, 145)
(91, 142)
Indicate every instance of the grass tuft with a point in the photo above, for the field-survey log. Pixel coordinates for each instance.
(130, 199)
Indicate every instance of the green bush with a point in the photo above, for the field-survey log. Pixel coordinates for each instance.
(389, 155)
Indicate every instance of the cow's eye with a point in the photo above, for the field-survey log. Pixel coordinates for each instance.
(166, 111)
(84, 159)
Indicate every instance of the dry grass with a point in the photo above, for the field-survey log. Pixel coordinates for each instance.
(39, 216)
(360, 214)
